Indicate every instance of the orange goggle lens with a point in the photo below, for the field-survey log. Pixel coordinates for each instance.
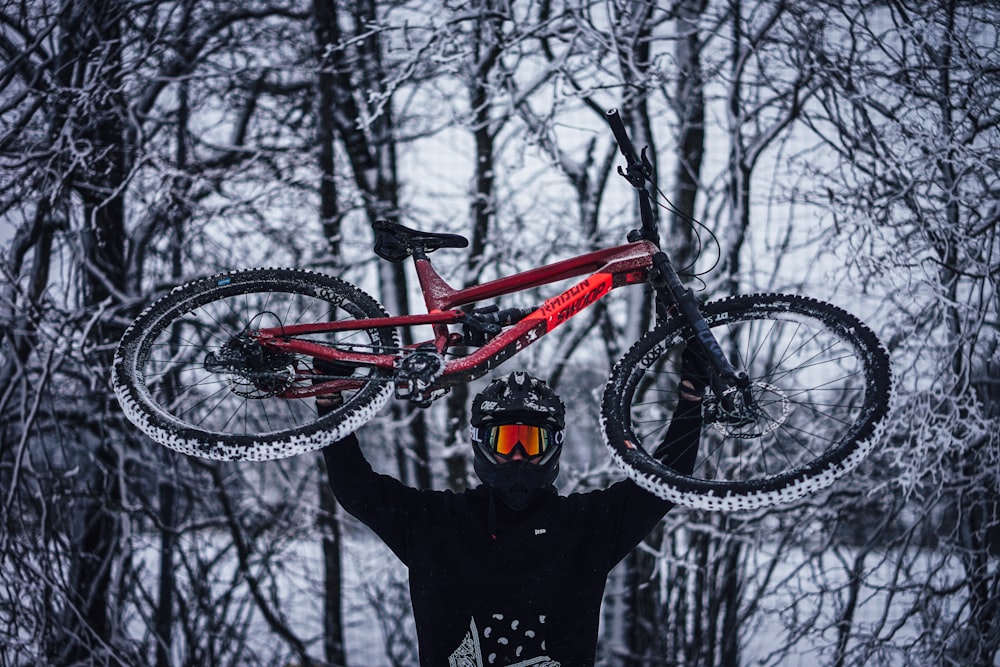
(504, 439)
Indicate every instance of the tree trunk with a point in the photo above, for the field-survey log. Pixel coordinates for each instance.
(327, 35)
(643, 603)
(333, 593)
(370, 143)
(484, 53)
(691, 133)
(91, 40)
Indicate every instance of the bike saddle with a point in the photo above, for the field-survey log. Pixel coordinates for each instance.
(394, 242)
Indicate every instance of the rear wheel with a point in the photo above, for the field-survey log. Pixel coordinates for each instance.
(189, 373)
(819, 389)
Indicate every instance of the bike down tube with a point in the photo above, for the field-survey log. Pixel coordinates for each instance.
(628, 265)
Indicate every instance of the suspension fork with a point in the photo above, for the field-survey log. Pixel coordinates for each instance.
(669, 287)
(673, 293)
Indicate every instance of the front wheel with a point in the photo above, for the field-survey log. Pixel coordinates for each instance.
(189, 373)
(819, 391)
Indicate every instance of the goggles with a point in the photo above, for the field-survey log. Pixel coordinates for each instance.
(533, 440)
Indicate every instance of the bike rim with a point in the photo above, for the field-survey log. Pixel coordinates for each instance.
(241, 400)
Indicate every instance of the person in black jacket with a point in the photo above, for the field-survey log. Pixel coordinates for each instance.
(511, 573)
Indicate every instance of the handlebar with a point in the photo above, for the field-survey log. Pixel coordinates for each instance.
(637, 172)
(621, 136)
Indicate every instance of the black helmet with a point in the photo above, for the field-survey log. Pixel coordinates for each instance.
(522, 399)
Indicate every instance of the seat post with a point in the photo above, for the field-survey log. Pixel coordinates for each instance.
(438, 295)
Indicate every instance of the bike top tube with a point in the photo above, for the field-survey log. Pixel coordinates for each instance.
(608, 269)
(439, 295)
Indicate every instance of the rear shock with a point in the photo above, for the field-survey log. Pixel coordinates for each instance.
(482, 324)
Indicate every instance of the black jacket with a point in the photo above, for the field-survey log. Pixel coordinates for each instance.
(491, 586)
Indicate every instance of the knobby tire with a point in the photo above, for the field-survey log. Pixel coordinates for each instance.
(168, 388)
(821, 384)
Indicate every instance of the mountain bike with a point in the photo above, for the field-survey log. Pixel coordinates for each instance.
(230, 367)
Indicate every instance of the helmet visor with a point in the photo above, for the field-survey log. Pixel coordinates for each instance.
(504, 439)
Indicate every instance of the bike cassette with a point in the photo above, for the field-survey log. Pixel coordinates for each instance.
(252, 371)
(416, 374)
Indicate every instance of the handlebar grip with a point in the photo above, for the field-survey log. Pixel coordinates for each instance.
(621, 136)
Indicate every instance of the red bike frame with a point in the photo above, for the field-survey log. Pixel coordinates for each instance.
(605, 269)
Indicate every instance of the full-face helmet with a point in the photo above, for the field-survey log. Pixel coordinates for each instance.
(517, 432)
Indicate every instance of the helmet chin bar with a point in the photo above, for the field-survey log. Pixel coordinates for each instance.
(516, 483)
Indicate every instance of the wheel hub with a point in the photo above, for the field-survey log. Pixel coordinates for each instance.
(748, 413)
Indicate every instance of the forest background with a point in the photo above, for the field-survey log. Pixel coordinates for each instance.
(847, 150)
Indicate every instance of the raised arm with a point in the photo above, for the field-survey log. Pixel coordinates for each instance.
(680, 444)
(381, 502)
(626, 512)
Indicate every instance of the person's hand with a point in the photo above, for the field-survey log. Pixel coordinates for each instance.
(694, 375)
(325, 371)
